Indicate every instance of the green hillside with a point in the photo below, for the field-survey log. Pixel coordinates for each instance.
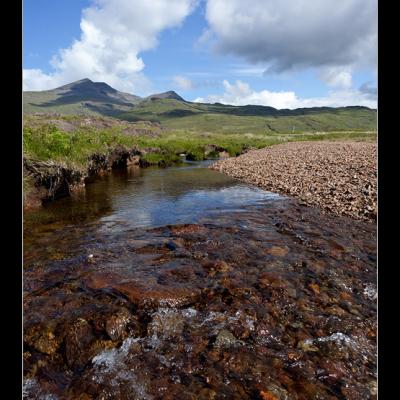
(177, 115)
(85, 97)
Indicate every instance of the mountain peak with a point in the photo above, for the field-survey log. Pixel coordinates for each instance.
(84, 80)
(86, 84)
(166, 95)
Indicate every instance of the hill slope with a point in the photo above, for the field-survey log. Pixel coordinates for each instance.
(170, 109)
(175, 114)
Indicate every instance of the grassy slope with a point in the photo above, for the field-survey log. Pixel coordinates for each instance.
(190, 126)
(194, 117)
(43, 140)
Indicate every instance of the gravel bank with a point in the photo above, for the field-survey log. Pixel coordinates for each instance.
(339, 177)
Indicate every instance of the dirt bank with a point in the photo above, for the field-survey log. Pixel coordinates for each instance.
(339, 177)
(49, 180)
(45, 181)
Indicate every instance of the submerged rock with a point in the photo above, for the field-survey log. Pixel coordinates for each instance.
(225, 339)
(116, 325)
(77, 343)
(275, 302)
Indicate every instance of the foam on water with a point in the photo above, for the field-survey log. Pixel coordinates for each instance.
(113, 363)
(31, 390)
(370, 291)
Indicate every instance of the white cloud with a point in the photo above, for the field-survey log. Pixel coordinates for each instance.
(241, 94)
(247, 70)
(288, 34)
(336, 77)
(35, 79)
(182, 83)
(114, 32)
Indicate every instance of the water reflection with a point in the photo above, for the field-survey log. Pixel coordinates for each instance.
(138, 198)
(177, 195)
(151, 197)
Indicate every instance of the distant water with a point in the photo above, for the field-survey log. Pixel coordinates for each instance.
(152, 197)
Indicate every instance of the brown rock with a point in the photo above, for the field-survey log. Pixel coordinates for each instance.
(265, 395)
(278, 251)
(77, 343)
(116, 325)
(315, 288)
(42, 339)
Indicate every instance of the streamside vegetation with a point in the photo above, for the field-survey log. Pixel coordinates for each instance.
(61, 152)
(44, 140)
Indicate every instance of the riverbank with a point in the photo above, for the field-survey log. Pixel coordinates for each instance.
(338, 177)
(63, 153)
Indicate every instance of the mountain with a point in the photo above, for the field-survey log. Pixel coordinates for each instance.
(80, 97)
(87, 97)
(86, 89)
(173, 112)
(166, 95)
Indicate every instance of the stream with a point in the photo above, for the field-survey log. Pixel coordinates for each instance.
(183, 283)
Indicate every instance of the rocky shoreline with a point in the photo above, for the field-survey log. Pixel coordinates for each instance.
(338, 177)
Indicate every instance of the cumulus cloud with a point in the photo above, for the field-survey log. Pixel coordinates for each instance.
(113, 33)
(241, 94)
(287, 34)
(182, 83)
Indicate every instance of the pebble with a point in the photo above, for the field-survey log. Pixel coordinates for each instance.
(339, 177)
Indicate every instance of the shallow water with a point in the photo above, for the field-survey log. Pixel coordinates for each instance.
(183, 283)
(137, 198)
(154, 197)
(145, 198)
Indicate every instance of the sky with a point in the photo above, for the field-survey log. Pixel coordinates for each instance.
(278, 53)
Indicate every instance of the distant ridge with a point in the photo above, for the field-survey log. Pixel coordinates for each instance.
(85, 97)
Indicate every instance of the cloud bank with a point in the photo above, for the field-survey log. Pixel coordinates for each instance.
(287, 34)
(113, 33)
(241, 94)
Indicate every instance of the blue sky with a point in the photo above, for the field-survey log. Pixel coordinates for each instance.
(207, 50)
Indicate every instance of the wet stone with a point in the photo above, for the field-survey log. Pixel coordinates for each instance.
(78, 339)
(240, 322)
(116, 325)
(225, 339)
(42, 340)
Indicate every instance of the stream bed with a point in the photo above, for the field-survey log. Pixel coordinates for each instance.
(182, 283)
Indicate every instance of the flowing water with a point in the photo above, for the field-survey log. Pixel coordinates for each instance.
(182, 283)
